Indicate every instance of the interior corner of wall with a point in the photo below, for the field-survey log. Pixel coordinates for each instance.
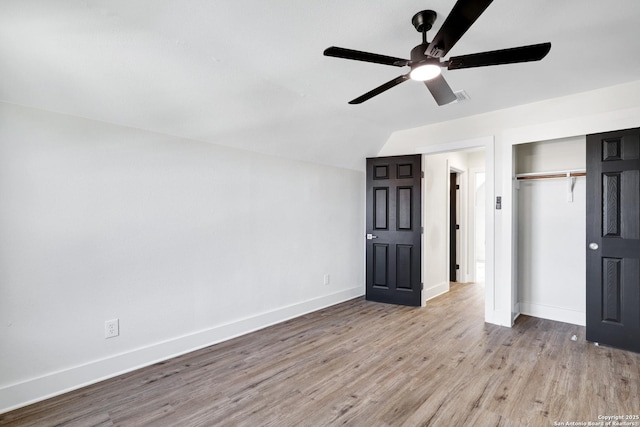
(388, 148)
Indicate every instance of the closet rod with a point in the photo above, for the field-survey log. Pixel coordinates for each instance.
(554, 174)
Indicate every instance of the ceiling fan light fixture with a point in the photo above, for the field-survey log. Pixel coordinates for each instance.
(425, 72)
(428, 58)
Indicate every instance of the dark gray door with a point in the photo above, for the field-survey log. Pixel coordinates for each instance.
(394, 251)
(453, 227)
(613, 239)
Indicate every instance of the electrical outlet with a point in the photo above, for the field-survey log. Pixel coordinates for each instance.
(327, 279)
(111, 328)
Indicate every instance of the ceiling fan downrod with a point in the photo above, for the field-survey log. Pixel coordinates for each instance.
(423, 21)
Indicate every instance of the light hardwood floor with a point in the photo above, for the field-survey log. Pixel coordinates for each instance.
(368, 364)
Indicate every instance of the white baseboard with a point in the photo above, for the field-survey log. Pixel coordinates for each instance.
(499, 317)
(37, 389)
(515, 313)
(437, 290)
(554, 313)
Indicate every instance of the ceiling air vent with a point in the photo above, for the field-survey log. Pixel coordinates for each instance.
(461, 96)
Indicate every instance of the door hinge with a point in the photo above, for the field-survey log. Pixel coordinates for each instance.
(457, 187)
(421, 230)
(457, 226)
(457, 267)
(422, 174)
(422, 286)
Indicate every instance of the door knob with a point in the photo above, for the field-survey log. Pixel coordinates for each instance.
(371, 236)
(593, 246)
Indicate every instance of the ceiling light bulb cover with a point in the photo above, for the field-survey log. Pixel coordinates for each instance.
(425, 72)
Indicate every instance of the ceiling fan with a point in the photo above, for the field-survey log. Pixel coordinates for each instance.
(426, 62)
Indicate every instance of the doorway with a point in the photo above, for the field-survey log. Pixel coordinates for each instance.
(454, 228)
(549, 232)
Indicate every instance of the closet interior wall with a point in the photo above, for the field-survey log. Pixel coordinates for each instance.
(551, 213)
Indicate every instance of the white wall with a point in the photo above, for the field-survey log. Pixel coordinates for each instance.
(187, 243)
(611, 108)
(551, 232)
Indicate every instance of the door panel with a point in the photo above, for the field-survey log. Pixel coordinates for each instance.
(380, 267)
(613, 239)
(381, 208)
(404, 199)
(394, 229)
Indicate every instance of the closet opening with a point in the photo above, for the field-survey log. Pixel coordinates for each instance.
(550, 213)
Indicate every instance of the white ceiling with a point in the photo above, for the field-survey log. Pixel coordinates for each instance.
(251, 74)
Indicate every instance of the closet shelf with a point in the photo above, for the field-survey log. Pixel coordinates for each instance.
(569, 175)
(553, 174)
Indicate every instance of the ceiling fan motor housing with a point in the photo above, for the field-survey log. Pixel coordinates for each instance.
(419, 56)
(418, 53)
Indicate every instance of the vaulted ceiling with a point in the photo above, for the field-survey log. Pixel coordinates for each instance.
(251, 73)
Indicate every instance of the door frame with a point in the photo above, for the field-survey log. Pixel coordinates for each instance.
(492, 315)
(472, 212)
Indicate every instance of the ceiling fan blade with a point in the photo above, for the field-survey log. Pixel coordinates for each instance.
(340, 52)
(534, 52)
(377, 91)
(462, 16)
(440, 90)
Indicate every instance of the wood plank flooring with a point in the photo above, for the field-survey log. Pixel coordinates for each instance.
(368, 364)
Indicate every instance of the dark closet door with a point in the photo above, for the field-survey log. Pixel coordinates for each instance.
(613, 239)
(394, 230)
